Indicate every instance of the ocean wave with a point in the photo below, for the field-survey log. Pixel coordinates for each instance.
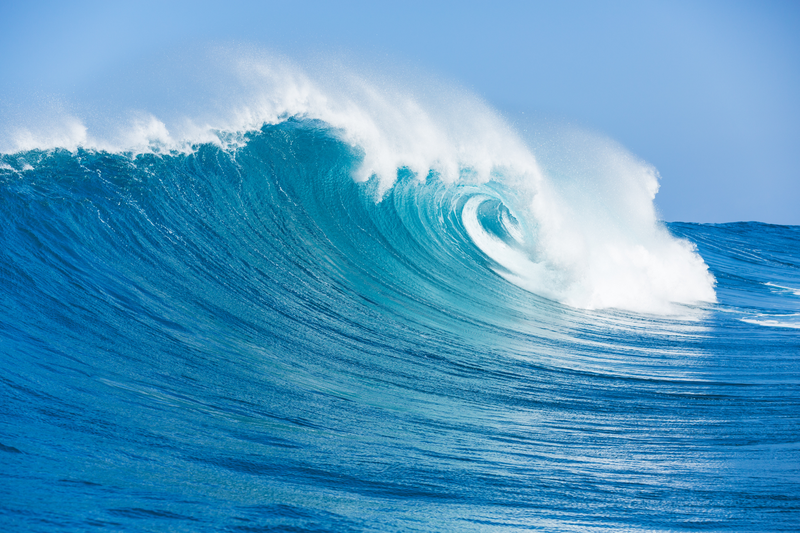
(357, 318)
(591, 235)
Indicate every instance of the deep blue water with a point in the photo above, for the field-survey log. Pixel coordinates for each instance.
(246, 340)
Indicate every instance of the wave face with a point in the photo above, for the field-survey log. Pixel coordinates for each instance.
(325, 322)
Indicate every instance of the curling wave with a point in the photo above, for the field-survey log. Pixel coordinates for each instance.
(588, 237)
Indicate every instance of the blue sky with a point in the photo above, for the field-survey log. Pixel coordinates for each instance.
(707, 92)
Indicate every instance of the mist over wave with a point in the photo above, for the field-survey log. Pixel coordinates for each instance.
(585, 233)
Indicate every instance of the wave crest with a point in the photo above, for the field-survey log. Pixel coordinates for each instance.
(585, 231)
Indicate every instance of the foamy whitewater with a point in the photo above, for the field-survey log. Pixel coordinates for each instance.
(314, 299)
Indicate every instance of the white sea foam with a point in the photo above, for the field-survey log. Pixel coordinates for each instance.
(599, 227)
(782, 288)
(775, 321)
(589, 234)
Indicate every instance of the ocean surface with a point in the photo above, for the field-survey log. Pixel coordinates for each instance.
(314, 324)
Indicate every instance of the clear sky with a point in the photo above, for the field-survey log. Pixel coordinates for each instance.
(708, 92)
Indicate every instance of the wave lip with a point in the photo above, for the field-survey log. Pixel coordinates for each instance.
(587, 235)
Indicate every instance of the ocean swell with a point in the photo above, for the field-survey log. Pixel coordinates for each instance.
(585, 235)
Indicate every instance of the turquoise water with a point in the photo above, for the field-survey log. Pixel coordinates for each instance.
(248, 339)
